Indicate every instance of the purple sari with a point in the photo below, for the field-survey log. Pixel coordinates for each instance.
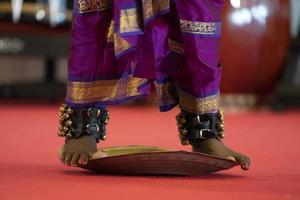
(121, 47)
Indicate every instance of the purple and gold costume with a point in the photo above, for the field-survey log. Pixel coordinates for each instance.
(120, 47)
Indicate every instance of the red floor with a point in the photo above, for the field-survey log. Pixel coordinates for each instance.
(29, 168)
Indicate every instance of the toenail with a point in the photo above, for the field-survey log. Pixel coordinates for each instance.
(246, 167)
(231, 158)
(83, 161)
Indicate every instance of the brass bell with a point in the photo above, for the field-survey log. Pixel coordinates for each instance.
(66, 116)
(104, 137)
(221, 127)
(183, 131)
(65, 129)
(70, 111)
(61, 119)
(185, 142)
(182, 120)
(69, 135)
(69, 123)
(221, 115)
(59, 133)
(178, 118)
(221, 135)
(63, 107)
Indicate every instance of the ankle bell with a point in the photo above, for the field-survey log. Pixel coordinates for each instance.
(77, 122)
(194, 128)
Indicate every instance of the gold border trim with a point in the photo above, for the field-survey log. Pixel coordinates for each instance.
(154, 7)
(103, 90)
(189, 103)
(120, 44)
(85, 6)
(166, 93)
(200, 28)
(130, 21)
(111, 32)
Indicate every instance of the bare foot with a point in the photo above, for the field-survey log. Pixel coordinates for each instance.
(217, 148)
(78, 151)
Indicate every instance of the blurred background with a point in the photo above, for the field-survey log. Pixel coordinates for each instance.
(260, 51)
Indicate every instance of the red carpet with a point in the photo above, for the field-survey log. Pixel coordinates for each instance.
(29, 168)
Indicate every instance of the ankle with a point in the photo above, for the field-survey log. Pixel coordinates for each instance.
(78, 122)
(195, 129)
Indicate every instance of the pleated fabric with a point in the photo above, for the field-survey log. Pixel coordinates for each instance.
(120, 48)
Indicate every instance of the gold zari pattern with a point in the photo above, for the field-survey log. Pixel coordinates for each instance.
(167, 93)
(199, 27)
(93, 5)
(129, 21)
(191, 104)
(110, 33)
(103, 90)
(154, 7)
(120, 44)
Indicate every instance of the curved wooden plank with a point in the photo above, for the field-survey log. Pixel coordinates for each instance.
(140, 160)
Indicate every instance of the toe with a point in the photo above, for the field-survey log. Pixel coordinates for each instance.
(245, 164)
(83, 159)
(75, 158)
(244, 161)
(231, 158)
(68, 158)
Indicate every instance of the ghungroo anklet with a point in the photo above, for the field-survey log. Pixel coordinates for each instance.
(194, 128)
(77, 122)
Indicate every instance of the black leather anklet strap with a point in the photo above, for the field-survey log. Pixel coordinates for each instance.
(194, 128)
(77, 122)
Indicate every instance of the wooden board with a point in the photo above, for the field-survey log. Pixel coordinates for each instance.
(142, 160)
